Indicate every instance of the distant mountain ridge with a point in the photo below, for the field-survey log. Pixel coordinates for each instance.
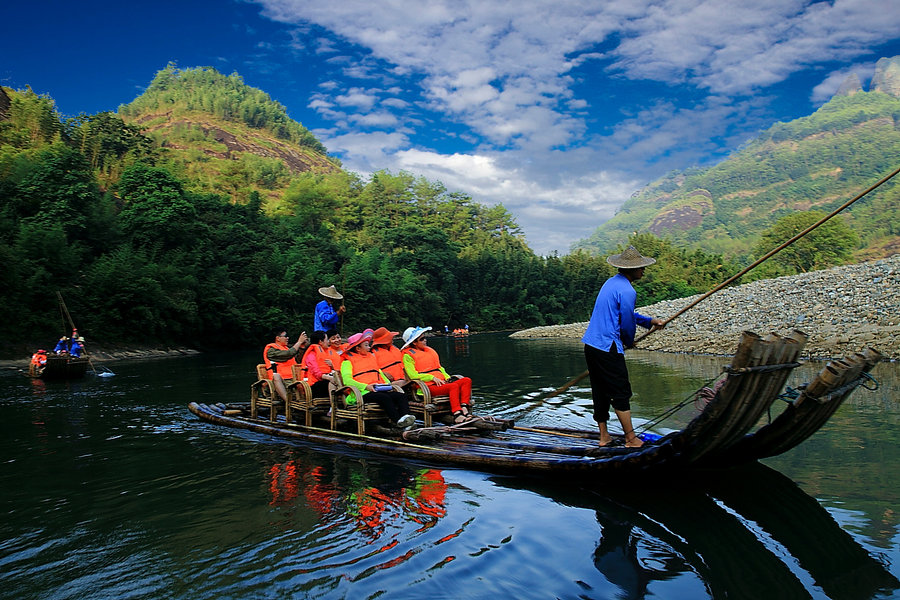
(224, 136)
(814, 162)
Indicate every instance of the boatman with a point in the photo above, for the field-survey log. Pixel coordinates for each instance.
(326, 317)
(610, 331)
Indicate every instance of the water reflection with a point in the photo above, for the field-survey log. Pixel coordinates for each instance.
(743, 533)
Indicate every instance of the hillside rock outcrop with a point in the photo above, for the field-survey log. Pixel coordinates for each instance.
(850, 86)
(887, 76)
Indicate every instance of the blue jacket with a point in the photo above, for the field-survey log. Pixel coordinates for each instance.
(324, 317)
(614, 319)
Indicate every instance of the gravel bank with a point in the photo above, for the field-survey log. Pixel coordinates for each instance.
(842, 310)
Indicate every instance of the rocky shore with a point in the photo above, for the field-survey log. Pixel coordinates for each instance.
(842, 310)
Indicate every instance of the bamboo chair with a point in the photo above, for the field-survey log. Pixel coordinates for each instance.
(300, 397)
(360, 412)
(263, 394)
(424, 405)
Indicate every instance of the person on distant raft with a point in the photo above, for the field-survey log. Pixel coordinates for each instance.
(62, 346)
(76, 348)
(611, 330)
(279, 358)
(422, 362)
(326, 316)
(360, 370)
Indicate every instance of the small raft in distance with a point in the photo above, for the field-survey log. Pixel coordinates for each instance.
(60, 367)
(724, 434)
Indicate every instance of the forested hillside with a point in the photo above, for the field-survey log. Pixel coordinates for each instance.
(813, 163)
(155, 236)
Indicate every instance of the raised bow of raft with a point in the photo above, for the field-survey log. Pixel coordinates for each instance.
(733, 428)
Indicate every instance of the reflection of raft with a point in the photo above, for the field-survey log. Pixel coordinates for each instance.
(724, 434)
(60, 367)
(747, 532)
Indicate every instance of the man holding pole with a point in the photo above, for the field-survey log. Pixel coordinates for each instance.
(610, 331)
(326, 317)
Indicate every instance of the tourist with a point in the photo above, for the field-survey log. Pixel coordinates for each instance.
(390, 359)
(611, 330)
(335, 341)
(76, 347)
(421, 362)
(360, 370)
(326, 316)
(321, 362)
(62, 346)
(280, 358)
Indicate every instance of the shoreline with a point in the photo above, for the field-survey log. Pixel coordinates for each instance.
(106, 355)
(842, 310)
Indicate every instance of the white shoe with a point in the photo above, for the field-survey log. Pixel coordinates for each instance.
(406, 420)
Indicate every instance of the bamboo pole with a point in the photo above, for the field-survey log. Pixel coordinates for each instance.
(743, 272)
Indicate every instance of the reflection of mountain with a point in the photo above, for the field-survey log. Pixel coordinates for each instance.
(747, 533)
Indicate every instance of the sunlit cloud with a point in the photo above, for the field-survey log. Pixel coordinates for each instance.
(626, 88)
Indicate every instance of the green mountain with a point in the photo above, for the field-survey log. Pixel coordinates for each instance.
(224, 136)
(816, 162)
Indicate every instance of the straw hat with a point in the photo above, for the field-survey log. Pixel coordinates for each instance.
(331, 292)
(412, 334)
(383, 336)
(630, 259)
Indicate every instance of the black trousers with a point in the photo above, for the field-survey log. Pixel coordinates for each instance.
(609, 381)
(394, 404)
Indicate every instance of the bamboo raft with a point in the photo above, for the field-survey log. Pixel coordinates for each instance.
(60, 367)
(726, 433)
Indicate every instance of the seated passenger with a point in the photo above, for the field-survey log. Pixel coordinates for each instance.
(360, 370)
(335, 342)
(62, 346)
(422, 362)
(390, 360)
(320, 362)
(279, 358)
(39, 358)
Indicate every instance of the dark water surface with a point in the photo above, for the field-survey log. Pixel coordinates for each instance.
(110, 488)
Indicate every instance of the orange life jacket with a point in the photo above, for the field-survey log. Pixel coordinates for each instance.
(283, 368)
(321, 354)
(365, 367)
(390, 361)
(426, 361)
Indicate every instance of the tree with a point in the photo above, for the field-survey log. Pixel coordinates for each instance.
(157, 209)
(830, 244)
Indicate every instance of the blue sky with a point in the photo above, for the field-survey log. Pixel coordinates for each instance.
(559, 110)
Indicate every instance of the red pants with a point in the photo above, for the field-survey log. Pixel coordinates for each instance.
(459, 391)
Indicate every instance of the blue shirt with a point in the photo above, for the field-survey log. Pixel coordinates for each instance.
(613, 320)
(324, 317)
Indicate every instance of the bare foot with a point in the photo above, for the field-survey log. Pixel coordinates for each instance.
(605, 442)
(634, 443)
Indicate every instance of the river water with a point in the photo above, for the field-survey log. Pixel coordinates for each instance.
(110, 488)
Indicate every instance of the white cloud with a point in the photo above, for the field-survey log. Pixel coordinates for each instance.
(512, 76)
(358, 98)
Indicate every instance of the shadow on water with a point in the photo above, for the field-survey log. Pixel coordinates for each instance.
(746, 533)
